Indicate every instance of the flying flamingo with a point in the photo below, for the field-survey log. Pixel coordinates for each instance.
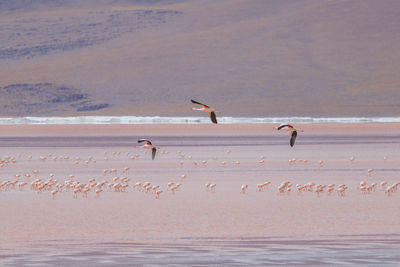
(149, 145)
(207, 109)
(293, 131)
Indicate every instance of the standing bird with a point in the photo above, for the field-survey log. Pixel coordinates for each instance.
(149, 145)
(207, 109)
(243, 188)
(293, 130)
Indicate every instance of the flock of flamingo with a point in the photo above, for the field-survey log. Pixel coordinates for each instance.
(114, 180)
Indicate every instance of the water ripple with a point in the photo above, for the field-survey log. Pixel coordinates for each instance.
(348, 251)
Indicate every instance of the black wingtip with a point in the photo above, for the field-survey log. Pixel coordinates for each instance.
(198, 103)
(213, 117)
(195, 102)
(293, 138)
(282, 126)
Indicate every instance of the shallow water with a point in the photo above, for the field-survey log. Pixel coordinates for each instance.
(198, 141)
(349, 250)
(176, 230)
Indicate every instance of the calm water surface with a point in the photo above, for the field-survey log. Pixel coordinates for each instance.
(348, 251)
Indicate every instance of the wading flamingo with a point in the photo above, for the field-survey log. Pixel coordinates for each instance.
(243, 188)
(212, 187)
(53, 193)
(158, 193)
(98, 191)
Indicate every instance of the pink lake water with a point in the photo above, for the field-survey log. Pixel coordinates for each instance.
(195, 226)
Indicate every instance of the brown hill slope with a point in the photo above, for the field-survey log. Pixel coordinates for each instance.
(246, 58)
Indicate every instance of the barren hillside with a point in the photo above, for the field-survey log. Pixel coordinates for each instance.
(246, 58)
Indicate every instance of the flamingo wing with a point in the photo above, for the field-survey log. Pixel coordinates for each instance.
(153, 153)
(213, 117)
(284, 125)
(144, 140)
(293, 138)
(198, 103)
